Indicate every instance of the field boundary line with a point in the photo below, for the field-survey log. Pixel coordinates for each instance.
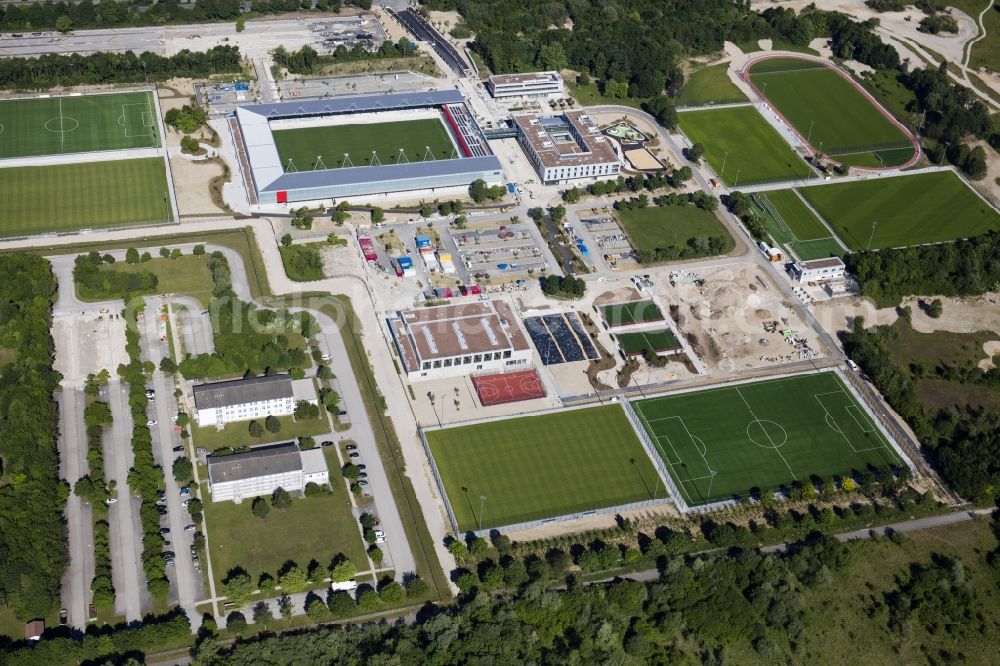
(833, 234)
(662, 452)
(757, 419)
(643, 433)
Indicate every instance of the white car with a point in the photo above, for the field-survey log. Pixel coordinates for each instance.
(379, 536)
(151, 422)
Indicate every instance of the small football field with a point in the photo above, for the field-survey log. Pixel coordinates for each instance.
(902, 210)
(741, 147)
(337, 146)
(792, 224)
(536, 467)
(75, 124)
(662, 340)
(722, 443)
(65, 197)
(634, 312)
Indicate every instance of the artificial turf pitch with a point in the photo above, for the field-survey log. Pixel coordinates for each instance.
(38, 199)
(537, 467)
(829, 111)
(654, 341)
(67, 124)
(793, 224)
(634, 312)
(724, 442)
(902, 210)
(298, 148)
(739, 142)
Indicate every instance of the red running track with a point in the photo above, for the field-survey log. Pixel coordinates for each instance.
(510, 387)
(745, 75)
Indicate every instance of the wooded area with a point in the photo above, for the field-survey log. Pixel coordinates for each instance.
(33, 550)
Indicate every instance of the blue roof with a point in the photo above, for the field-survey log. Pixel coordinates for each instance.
(356, 175)
(355, 104)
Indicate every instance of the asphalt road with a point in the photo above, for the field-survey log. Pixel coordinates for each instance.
(76, 593)
(186, 584)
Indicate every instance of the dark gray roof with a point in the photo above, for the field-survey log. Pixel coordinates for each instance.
(355, 103)
(262, 461)
(240, 391)
(366, 174)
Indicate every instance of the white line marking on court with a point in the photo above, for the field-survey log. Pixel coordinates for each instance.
(663, 455)
(62, 135)
(766, 433)
(847, 439)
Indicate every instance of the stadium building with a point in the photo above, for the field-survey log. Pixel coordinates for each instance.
(567, 147)
(325, 149)
(456, 340)
(529, 84)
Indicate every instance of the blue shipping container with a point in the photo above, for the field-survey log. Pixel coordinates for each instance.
(405, 262)
(423, 241)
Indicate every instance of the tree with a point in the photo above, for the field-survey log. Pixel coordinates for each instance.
(183, 470)
(378, 215)
(64, 24)
(167, 365)
(266, 584)
(189, 144)
(662, 108)
(935, 308)
(376, 555)
(262, 613)
(457, 549)
(286, 240)
(165, 252)
(342, 570)
(572, 195)
(238, 587)
(198, 250)
(285, 606)
(280, 499)
(131, 256)
(255, 429)
(369, 600)
(416, 588)
(695, 152)
(391, 593)
(478, 190)
(241, 24)
(681, 176)
(272, 424)
(318, 611)
(341, 604)
(478, 546)
(195, 508)
(260, 507)
(293, 580)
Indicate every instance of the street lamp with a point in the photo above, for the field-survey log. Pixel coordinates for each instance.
(872, 235)
(736, 183)
(809, 135)
(482, 502)
(722, 173)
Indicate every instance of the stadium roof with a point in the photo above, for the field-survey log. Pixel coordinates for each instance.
(355, 104)
(269, 174)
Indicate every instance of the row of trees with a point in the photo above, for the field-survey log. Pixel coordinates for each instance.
(33, 550)
(91, 274)
(307, 60)
(52, 70)
(563, 286)
(637, 183)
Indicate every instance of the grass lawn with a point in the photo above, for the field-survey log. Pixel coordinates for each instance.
(303, 263)
(739, 142)
(886, 87)
(59, 125)
(313, 528)
(187, 275)
(39, 199)
(710, 85)
(795, 214)
(670, 226)
(910, 210)
(723, 442)
(821, 248)
(753, 45)
(303, 145)
(829, 111)
(626, 314)
(656, 341)
(541, 466)
(590, 95)
(237, 434)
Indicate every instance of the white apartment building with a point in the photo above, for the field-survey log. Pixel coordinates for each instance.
(456, 340)
(819, 270)
(567, 147)
(263, 470)
(529, 84)
(220, 403)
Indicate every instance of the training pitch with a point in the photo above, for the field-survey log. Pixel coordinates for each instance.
(635, 312)
(903, 210)
(61, 125)
(831, 113)
(723, 442)
(742, 147)
(537, 467)
(40, 199)
(299, 148)
(793, 224)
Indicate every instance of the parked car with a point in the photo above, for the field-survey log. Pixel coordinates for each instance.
(164, 530)
(327, 443)
(190, 528)
(353, 454)
(362, 475)
(178, 449)
(151, 422)
(168, 563)
(63, 617)
(362, 482)
(185, 491)
(111, 500)
(361, 466)
(351, 447)
(342, 412)
(186, 503)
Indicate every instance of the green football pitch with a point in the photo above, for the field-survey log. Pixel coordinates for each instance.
(793, 224)
(655, 341)
(902, 210)
(626, 314)
(71, 124)
(299, 148)
(39, 199)
(537, 467)
(831, 113)
(724, 442)
(742, 147)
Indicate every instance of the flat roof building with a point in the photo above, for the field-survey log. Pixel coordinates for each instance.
(567, 147)
(455, 340)
(819, 270)
(528, 84)
(263, 470)
(220, 403)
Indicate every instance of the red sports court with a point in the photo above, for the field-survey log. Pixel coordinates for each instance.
(509, 387)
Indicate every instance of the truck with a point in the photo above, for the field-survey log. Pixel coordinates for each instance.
(368, 249)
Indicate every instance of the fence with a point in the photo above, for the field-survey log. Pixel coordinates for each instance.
(439, 482)
(654, 456)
